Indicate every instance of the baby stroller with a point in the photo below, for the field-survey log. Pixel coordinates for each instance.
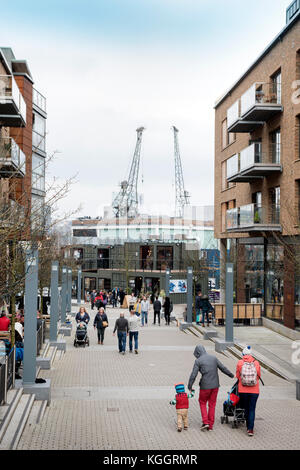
(81, 337)
(231, 408)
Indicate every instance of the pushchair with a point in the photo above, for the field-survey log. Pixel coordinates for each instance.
(81, 337)
(232, 409)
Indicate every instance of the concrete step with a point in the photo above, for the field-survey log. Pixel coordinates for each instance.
(17, 423)
(37, 412)
(7, 410)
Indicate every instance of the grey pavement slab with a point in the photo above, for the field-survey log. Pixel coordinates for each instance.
(102, 400)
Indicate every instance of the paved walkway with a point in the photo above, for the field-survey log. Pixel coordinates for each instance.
(102, 400)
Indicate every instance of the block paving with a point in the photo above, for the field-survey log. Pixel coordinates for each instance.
(102, 400)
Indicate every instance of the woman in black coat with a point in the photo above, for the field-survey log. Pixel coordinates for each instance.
(166, 307)
(98, 323)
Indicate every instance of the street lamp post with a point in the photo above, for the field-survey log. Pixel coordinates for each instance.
(63, 295)
(79, 287)
(190, 295)
(31, 294)
(54, 301)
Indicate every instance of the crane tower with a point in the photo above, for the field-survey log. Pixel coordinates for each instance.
(125, 203)
(182, 197)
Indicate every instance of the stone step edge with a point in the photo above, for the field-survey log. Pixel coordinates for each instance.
(19, 431)
(11, 409)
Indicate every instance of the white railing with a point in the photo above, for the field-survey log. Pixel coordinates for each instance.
(9, 150)
(232, 166)
(233, 113)
(9, 90)
(260, 94)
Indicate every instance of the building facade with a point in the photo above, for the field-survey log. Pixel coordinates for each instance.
(257, 177)
(22, 136)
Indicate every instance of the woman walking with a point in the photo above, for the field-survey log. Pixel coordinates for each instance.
(101, 322)
(82, 316)
(248, 373)
(167, 307)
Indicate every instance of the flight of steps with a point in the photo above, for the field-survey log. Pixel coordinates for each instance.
(20, 409)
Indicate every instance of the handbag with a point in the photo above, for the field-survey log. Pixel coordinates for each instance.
(105, 324)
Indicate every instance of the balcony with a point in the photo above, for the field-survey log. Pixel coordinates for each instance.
(259, 104)
(253, 218)
(252, 164)
(39, 101)
(12, 103)
(12, 214)
(12, 159)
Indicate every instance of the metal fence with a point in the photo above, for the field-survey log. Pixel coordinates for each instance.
(7, 374)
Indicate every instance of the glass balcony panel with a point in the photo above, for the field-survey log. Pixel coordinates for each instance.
(260, 94)
(246, 215)
(22, 108)
(232, 218)
(232, 166)
(233, 114)
(10, 152)
(39, 100)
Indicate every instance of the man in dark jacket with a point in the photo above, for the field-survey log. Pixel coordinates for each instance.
(122, 328)
(208, 366)
(157, 309)
(198, 306)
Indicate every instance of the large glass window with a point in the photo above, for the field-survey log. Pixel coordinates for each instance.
(164, 257)
(39, 132)
(38, 172)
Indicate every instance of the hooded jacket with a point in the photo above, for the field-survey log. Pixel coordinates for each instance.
(208, 366)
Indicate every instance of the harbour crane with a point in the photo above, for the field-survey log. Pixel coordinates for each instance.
(125, 203)
(182, 197)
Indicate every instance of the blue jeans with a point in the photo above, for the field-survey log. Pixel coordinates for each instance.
(122, 340)
(144, 318)
(135, 335)
(248, 402)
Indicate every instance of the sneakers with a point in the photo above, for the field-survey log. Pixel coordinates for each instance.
(204, 427)
(136, 351)
(179, 429)
(123, 352)
(185, 428)
(250, 433)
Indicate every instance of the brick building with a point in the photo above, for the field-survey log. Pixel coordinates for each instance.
(257, 177)
(22, 136)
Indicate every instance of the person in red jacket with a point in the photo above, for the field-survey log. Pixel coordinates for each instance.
(248, 373)
(182, 406)
(4, 322)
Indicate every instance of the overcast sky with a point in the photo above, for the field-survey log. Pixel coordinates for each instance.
(110, 66)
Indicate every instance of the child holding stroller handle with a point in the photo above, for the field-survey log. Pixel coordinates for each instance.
(182, 406)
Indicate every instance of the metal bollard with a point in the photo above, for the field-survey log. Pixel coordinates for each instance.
(298, 390)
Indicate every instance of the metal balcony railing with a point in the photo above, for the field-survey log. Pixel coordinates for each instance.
(12, 155)
(38, 100)
(260, 94)
(10, 93)
(251, 216)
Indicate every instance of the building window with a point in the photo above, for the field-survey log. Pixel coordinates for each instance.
(298, 137)
(39, 132)
(276, 87)
(164, 257)
(38, 172)
(84, 233)
(275, 143)
(275, 205)
(227, 137)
